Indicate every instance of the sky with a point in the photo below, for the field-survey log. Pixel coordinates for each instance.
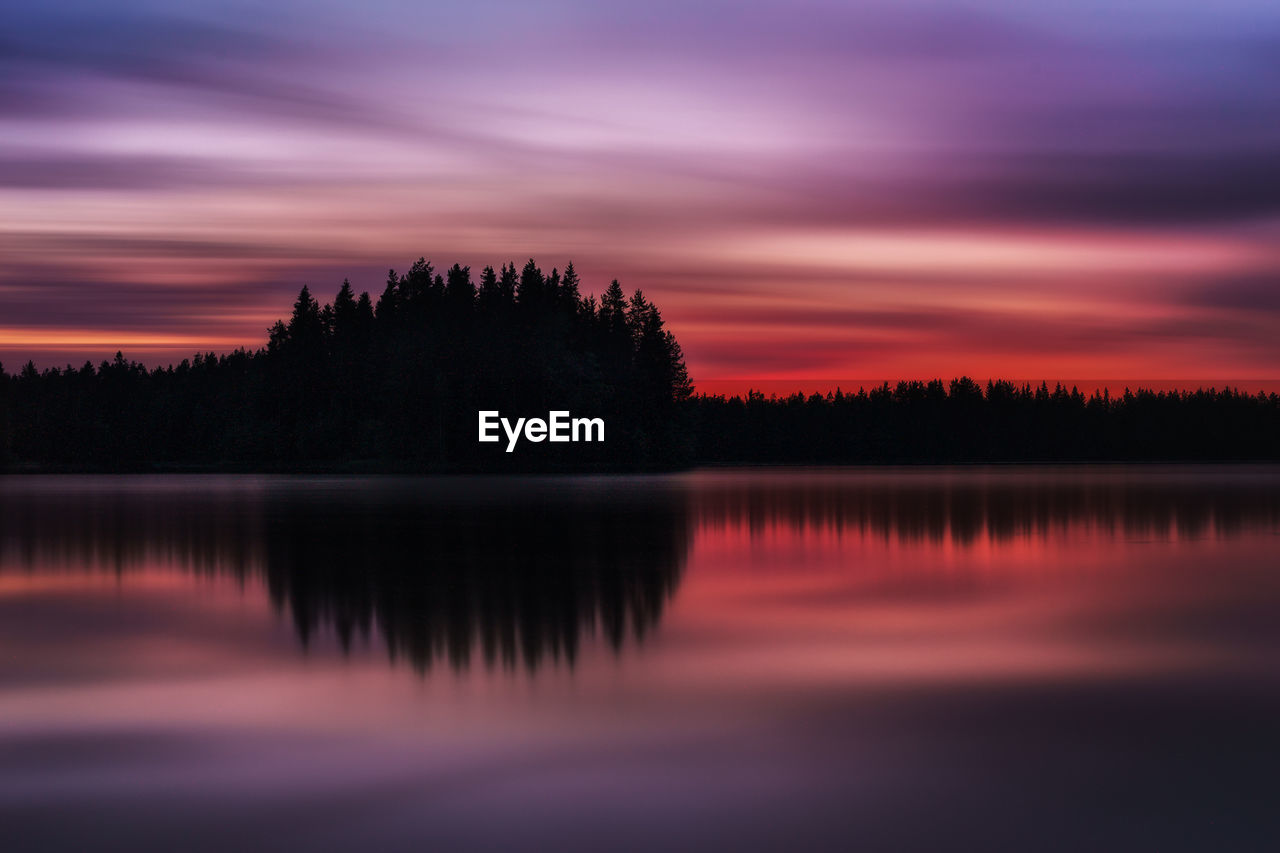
(808, 189)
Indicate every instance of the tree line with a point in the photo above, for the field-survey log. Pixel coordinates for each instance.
(396, 384)
(965, 422)
(391, 384)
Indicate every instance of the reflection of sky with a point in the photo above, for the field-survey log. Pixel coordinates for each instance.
(842, 656)
(808, 189)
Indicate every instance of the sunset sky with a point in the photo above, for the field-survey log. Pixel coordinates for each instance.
(807, 189)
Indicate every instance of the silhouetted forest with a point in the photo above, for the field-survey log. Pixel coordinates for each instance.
(396, 385)
(937, 422)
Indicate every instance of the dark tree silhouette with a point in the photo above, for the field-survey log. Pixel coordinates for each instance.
(397, 386)
(919, 422)
(5, 428)
(347, 385)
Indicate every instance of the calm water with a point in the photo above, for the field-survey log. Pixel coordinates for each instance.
(860, 659)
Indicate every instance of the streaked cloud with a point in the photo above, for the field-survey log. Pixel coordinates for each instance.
(908, 188)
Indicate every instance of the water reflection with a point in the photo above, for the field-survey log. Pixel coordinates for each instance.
(998, 659)
(514, 572)
(518, 572)
(964, 505)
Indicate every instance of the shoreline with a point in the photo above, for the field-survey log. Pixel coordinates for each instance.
(409, 471)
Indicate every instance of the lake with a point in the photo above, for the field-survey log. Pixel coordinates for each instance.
(848, 659)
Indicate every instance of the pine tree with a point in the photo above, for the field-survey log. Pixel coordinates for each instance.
(306, 327)
(569, 284)
(529, 292)
(507, 282)
(460, 293)
(344, 312)
(489, 295)
(389, 302)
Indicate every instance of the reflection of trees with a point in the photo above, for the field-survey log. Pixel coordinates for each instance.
(516, 571)
(517, 580)
(965, 504)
